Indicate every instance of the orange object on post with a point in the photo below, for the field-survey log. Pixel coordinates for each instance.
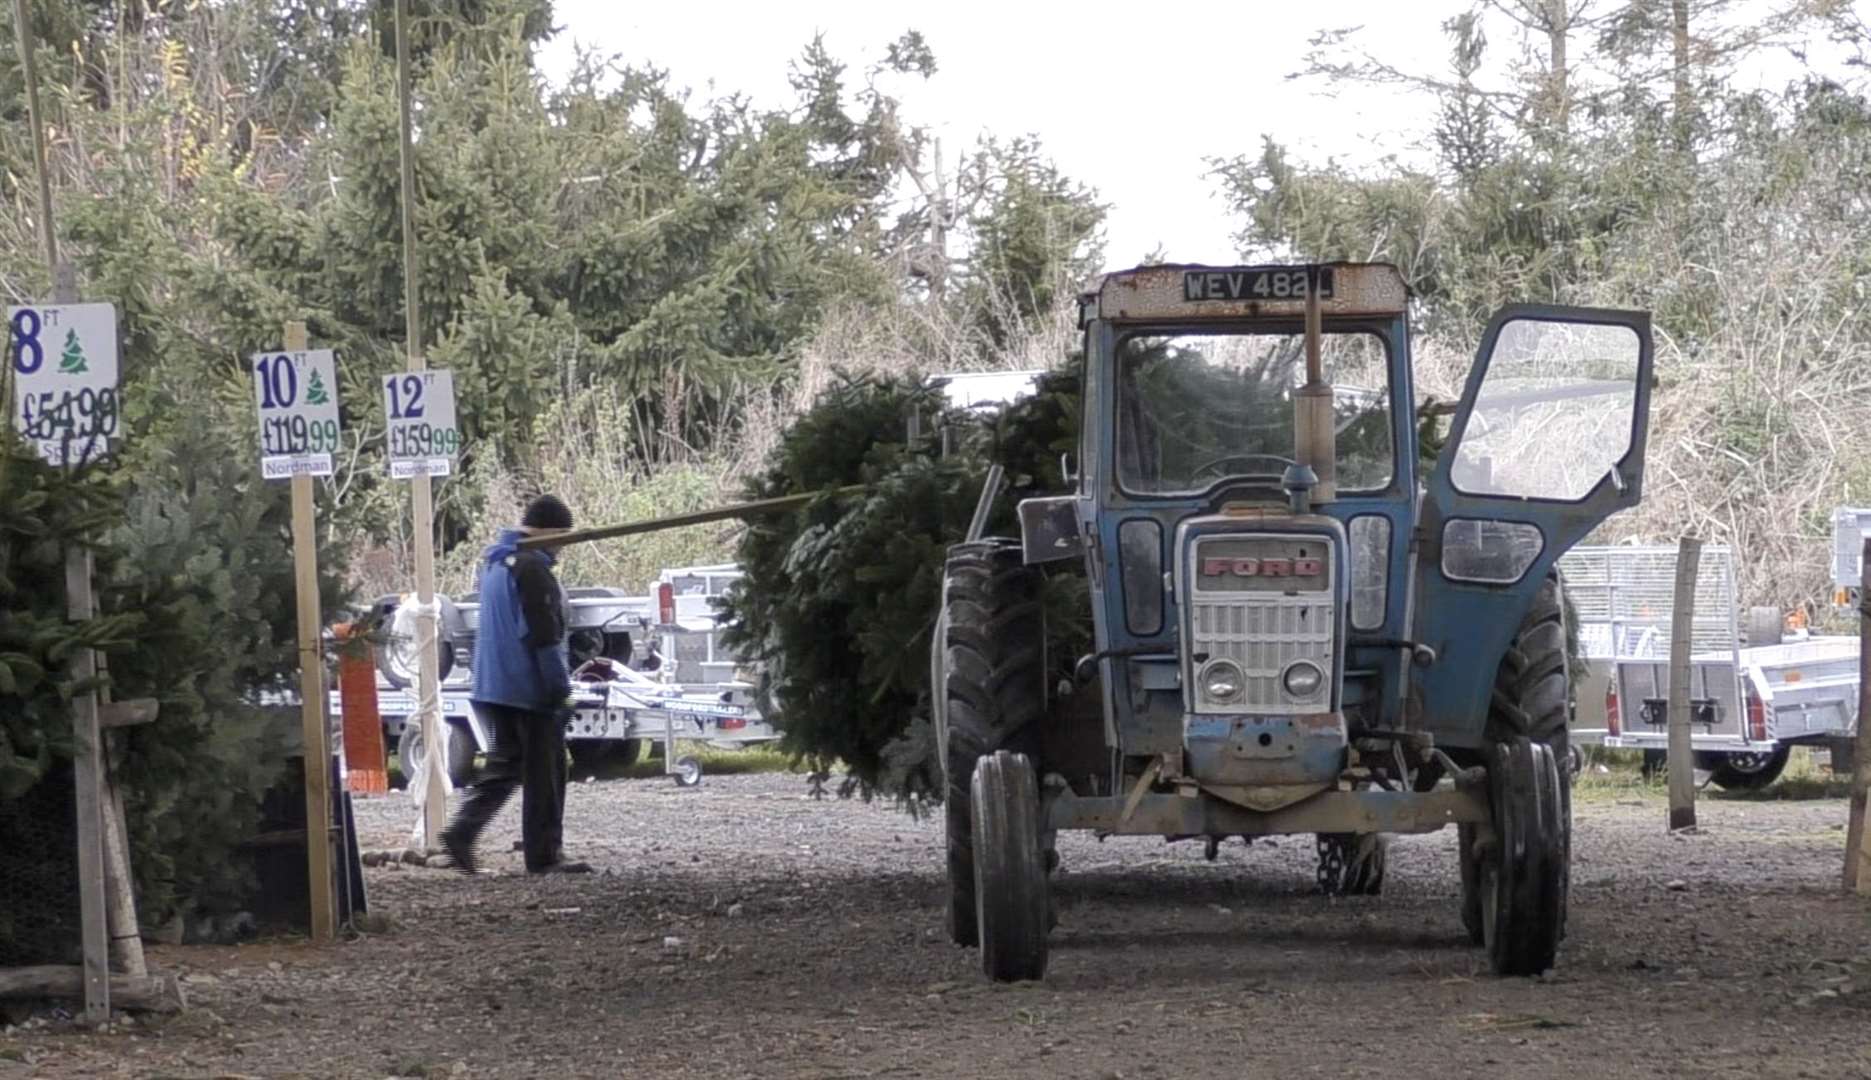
(366, 768)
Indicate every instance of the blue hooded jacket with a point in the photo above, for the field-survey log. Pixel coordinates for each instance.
(520, 658)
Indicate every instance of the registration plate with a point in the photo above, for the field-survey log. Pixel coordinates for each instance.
(1256, 283)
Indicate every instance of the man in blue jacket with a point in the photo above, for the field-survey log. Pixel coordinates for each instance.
(522, 692)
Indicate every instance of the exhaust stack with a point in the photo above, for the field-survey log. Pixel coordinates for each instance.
(1315, 428)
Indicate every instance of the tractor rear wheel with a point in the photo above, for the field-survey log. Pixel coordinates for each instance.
(1011, 905)
(1532, 700)
(993, 682)
(1522, 875)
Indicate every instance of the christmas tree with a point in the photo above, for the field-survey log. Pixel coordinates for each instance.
(315, 391)
(72, 362)
(839, 598)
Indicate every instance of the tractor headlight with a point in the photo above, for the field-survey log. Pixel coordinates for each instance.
(1223, 681)
(1302, 679)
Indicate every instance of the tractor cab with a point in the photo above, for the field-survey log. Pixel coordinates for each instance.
(1304, 620)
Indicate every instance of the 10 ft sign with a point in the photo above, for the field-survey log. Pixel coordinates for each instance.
(296, 394)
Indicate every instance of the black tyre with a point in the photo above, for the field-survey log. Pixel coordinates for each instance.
(458, 742)
(1365, 857)
(1011, 906)
(1532, 700)
(1466, 837)
(396, 655)
(994, 689)
(688, 772)
(1749, 772)
(1522, 873)
(598, 757)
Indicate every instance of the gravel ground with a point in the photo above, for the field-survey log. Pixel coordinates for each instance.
(745, 929)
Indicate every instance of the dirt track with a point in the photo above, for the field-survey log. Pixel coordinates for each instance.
(746, 930)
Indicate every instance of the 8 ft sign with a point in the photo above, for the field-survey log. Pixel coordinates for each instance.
(64, 361)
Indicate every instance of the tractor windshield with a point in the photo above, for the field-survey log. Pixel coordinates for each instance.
(1197, 408)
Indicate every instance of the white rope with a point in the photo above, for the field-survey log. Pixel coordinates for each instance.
(422, 624)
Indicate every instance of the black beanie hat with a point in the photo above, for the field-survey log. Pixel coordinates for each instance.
(546, 512)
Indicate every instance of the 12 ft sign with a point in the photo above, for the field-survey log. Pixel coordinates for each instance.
(64, 359)
(420, 408)
(296, 394)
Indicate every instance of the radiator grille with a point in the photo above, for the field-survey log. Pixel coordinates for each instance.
(1263, 631)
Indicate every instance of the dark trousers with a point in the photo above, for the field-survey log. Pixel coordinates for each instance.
(529, 752)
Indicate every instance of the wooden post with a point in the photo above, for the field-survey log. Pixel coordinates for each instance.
(428, 700)
(80, 606)
(1857, 837)
(314, 728)
(1682, 641)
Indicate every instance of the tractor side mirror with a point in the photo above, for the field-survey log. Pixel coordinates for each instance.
(1049, 529)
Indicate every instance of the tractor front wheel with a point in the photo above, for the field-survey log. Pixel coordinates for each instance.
(992, 679)
(1521, 871)
(1531, 703)
(1011, 906)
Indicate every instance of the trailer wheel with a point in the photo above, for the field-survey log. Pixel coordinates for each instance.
(1749, 772)
(458, 745)
(1011, 905)
(1522, 875)
(591, 757)
(397, 657)
(993, 680)
(688, 771)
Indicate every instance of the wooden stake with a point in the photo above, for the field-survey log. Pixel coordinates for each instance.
(1682, 640)
(428, 701)
(88, 770)
(126, 936)
(313, 726)
(1857, 837)
(150, 993)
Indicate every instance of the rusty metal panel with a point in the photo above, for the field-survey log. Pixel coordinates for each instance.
(1161, 292)
(1328, 811)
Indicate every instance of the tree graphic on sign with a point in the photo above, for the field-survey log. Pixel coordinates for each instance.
(315, 392)
(72, 361)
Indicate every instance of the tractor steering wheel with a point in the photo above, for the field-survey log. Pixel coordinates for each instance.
(1216, 463)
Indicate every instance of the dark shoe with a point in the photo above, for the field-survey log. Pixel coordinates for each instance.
(562, 867)
(459, 851)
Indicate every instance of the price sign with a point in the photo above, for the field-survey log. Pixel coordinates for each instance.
(420, 408)
(64, 360)
(296, 394)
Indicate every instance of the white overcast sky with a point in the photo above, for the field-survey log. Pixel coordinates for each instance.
(1131, 99)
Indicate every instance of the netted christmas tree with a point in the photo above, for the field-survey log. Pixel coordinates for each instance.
(195, 597)
(839, 600)
(48, 511)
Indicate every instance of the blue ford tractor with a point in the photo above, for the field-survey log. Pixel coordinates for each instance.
(1307, 617)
